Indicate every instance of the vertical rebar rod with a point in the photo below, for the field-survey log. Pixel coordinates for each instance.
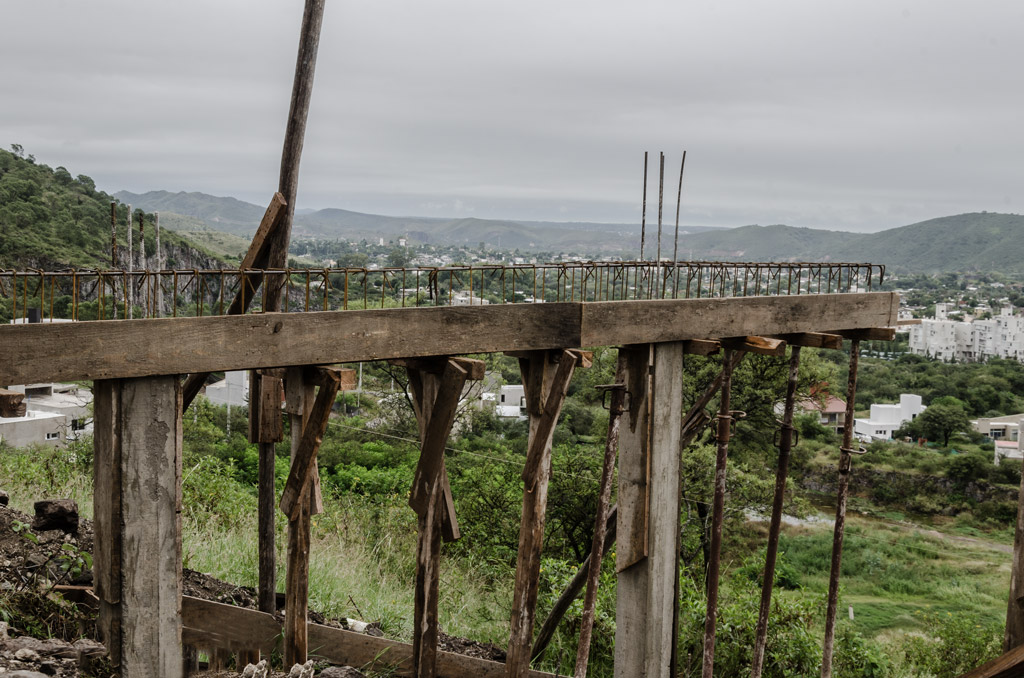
(159, 268)
(113, 234)
(661, 200)
(717, 516)
(845, 462)
(643, 211)
(675, 246)
(785, 446)
(129, 297)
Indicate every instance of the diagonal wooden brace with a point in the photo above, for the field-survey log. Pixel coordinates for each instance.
(312, 435)
(255, 257)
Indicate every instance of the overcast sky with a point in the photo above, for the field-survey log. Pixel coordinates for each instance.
(854, 115)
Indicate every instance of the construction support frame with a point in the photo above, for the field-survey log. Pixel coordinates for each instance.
(144, 618)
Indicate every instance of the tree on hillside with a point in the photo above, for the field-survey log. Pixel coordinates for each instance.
(941, 420)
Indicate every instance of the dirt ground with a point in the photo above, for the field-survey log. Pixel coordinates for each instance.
(56, 637)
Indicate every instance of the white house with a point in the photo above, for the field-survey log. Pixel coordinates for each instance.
(511, 402)
(44, 428)
(885, 419)
(232, 390)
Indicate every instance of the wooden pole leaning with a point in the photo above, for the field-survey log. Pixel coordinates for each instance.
(436, 385)
(546, 376)
(845, 462)
(725, 419)
(775, 526)
(616, 407)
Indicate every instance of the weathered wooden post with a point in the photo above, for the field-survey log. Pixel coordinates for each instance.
(648, 523)
(1015, 605)
(546, 376)
(137, 506)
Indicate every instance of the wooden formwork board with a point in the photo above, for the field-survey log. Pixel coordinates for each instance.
(135, 348)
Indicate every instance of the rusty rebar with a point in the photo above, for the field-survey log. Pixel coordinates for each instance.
(785, 446)
(717, 515)
(643, 211)
(845, 462)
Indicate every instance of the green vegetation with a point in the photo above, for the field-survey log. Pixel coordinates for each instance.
(925, 566)
(52, 220)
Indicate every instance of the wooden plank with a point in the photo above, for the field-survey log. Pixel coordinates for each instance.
(113, 348)
(151, 437)
(12, 403)
(635, 322)
(634, 443)
(238, 625)
(299, 389)
(554, 382)
(701, 347)
(633, 518)
(312, 435)
(813, 340)
(869, 333)
(107, 537)
(759, 345)
(1009, 665)
(663, 527)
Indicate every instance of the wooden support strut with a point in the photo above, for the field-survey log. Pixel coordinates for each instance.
(255, 257)
(299, 395)
(12, 403)
(545, 387)
(437, 386)
(845, 462)
(785, 446)
(694, 422)
(299, 481)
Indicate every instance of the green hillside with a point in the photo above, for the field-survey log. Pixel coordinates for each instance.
(769, 243)
(50, 219)
(222, 214)
(979, 241)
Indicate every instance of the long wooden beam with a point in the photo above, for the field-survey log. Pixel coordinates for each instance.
(116, 348)
(238, 628)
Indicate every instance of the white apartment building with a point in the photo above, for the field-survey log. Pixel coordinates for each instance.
(969, 341)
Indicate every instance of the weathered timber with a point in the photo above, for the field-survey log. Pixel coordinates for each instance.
(112, 349)
(299, 388)
(255, 257)
(612, 322)
(703, 347)
(436, 397)
(845, 463)
(265, 421)
(107, 543)
(645, 605)
(759, 345)
(138, 424)
(615, 409)
(814, 340)
(662, 562)
(633, 463)
(785, 446)
(1014, 634)
(546, 378)
(312, 435)
(1008, 665)
(237, 628)
(12, 403)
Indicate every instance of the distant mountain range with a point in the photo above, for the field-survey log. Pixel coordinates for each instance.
(980, 241)
(241, 218)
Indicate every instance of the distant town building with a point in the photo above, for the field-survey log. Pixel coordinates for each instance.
(969, 340)
(884, 419)
(831, 412)
(232, 390)
(511, 402)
